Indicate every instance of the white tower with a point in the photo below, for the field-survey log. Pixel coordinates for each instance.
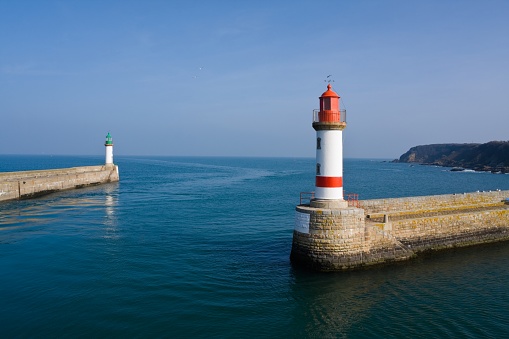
(329, 122)
(109, 150)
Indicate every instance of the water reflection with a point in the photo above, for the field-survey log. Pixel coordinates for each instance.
(40, 215)
(424, 297)
(111, 201)
(331, 305)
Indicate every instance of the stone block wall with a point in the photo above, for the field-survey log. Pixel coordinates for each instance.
(339, 239)
(327, 239)
(452, 230)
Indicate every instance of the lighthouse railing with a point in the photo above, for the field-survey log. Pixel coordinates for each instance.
(329, 116)
(351, 198)
(306, 197)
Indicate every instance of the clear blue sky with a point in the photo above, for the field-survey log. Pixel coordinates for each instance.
(241, 78)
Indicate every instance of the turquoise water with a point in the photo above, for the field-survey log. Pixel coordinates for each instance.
(199, 247)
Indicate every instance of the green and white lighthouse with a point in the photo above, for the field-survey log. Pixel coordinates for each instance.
(109, 150)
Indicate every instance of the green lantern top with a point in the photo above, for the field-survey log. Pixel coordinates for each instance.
(109, 140)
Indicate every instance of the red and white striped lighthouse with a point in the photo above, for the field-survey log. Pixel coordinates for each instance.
(329, 122)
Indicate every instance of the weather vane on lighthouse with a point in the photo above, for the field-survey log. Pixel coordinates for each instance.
(329, 79)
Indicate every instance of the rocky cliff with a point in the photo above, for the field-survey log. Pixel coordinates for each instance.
(492, 156)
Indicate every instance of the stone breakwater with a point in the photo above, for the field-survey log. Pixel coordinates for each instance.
(396, 229)
(29, 184)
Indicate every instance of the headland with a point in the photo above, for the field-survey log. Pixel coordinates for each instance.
(492, 156)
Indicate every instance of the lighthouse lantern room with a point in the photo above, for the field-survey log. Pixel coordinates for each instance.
(329, 122)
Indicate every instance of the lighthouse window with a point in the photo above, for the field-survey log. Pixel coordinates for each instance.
(318, 169)
(318, 143)
(326, 104)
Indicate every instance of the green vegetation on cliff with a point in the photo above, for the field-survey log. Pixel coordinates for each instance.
(492, 156)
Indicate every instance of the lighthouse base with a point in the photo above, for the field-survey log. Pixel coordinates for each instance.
(328, 204)
(330, 236)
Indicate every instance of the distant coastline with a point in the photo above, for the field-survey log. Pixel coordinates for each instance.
(492, 156)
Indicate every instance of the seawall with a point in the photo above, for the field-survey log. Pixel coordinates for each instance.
(387, 230)
(29, 184)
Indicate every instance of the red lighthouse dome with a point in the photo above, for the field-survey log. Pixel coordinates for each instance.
(329, 106)
(329, 92)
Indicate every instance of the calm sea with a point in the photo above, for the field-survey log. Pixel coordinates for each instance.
(199, 248)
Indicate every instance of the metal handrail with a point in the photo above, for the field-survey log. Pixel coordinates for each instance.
(351, 198)
(329, 116)
(306, 196)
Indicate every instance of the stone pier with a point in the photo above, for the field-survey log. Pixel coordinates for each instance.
(29, 184)
(329, 238)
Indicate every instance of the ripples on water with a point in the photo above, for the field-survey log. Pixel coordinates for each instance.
(199, 247)
(457, 293)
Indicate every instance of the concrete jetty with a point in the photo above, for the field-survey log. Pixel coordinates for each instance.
(29, 184)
